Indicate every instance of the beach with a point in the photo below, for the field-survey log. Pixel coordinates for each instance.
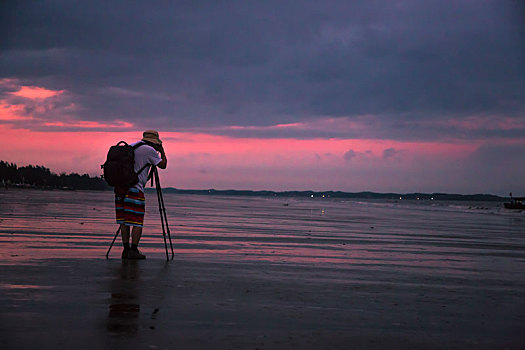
(262, 273)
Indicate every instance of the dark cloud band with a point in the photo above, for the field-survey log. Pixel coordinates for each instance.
(184, 65)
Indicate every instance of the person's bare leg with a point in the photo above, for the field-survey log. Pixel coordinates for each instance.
(134, 253)
(124, 230)
(136, 233)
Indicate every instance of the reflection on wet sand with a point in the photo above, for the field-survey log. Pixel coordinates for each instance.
(253, 273)
(124, 305)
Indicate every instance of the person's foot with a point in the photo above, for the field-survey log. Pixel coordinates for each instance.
(125, 253)
(135, 254)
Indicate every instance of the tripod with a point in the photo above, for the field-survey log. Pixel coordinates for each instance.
(154, 175)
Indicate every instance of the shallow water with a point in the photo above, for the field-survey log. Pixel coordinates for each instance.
(427, 274)
(428, 236)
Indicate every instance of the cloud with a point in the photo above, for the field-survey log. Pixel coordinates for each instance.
(349, 155)
(356, 155)
(387, 153)
(36, 93)
(180, 65)
(38, 108)
(390, 153)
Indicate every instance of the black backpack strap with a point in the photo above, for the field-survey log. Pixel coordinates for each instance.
(150, 175)
(142, 169)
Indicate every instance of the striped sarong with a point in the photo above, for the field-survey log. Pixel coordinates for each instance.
(129, 209)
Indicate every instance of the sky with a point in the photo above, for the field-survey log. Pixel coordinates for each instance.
(384, 96)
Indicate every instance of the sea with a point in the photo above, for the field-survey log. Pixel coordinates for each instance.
(427, 235)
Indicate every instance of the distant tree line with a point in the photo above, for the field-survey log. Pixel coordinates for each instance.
(41, 177)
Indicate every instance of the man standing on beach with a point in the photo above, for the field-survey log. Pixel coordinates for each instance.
(131, 206)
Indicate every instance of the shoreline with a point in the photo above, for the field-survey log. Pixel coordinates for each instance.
(416, 196)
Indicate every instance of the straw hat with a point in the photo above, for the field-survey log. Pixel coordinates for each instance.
(151, 136)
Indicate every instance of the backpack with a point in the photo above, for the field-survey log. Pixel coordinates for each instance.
(119, 168)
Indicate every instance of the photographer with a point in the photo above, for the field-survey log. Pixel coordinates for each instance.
(130, 207)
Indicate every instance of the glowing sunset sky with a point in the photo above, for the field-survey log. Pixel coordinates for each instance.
(384, 96)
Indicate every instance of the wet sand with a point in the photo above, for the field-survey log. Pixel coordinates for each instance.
(152, 304)
(264, 282)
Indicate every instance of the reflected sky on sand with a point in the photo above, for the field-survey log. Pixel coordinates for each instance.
(304, 273)
(429, 236)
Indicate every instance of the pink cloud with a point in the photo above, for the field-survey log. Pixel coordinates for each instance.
(29, 105)
(36, 93)
(90, 125)
(12, 112)
(38, 108)
(320, 124)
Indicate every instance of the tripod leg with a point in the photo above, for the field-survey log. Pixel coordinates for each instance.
(162, 218)
(166, 221)
(114, 238)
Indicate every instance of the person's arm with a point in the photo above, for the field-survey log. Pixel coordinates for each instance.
(164, 162)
